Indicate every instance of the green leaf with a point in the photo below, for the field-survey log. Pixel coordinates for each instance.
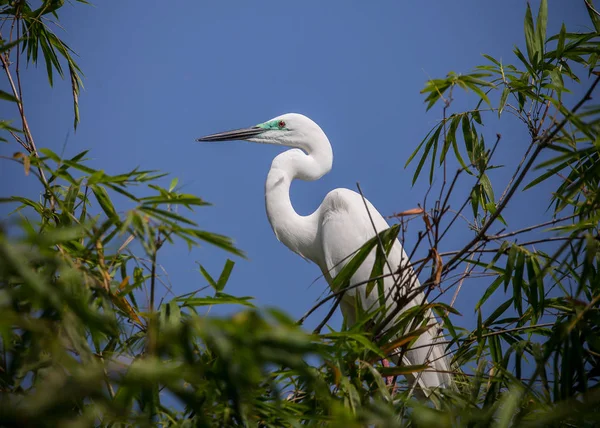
(104, 201)
(28, 202)
(479, 92)
(490, 58)
(593, 15)
(495, 349)
(527, 65)
(63, 235)
(358, 337)
(475, 198)
(468, 137)
(170, 314)
(503, 99)
(560, 47)
(165, 215)
(533, 287)
(11, 256)
(215, 239)
(499, 311)
(4, 47)
(490, 290)
(402, 370)
(518, 281)
(492, 208)
(487, 187)
(378, 379)
(510, 263)
(508, 407)
(445, 307)
(540, 30)
(8, 97)
(69, 203)
(218, 299)
(450, 137)
(432, 163)
(530, 39)
(591, 63)
(342, 279)
(173, 184)
(436, 89)
(174, 199)
(50, 154)
(557, 80)
(430, 143)
(5, 124)
(224, 277)
(207, 276)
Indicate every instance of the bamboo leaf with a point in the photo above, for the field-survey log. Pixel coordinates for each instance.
(518, 281)
(530, 40)
(480, 93)
(224, 277)
(207, 276)
(593, 15)
(527, 65)
(487, 187)
(430, 143)
(532, 289)
(4, 47)
(491, 59)
(402, 370)
(468, 137)
(342, 279)
(173, 184)
(508, 407)
(165, 215)
(104, 201)
(405, 339)
(499, 311)
(8, 97)
(218, 299)
(215, 239)
(503, 99)
(540, 30)
(489, 291)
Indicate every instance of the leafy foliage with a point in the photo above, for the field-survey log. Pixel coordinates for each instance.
(551, 282)
(86, 339)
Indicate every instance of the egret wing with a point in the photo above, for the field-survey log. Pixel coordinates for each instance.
(345, 226)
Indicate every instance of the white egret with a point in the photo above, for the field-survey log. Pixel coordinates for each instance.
(339, 227)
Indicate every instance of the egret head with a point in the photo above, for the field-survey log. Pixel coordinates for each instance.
(291, 130)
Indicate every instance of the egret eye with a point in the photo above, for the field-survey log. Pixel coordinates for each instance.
(281, 124)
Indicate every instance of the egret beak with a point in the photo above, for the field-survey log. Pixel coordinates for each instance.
(237, 134)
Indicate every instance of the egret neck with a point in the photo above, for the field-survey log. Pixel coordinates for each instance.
(299, 233)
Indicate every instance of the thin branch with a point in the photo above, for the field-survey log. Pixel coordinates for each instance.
(591, 7)
(463, 206)
(338, 299)
(527, 229)
(469, 340)
(522, 244)
(541, 145)
(28, 136)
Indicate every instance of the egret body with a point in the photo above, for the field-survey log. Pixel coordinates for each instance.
(339, 227)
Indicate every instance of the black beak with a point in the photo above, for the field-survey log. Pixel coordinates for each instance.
(237, 134)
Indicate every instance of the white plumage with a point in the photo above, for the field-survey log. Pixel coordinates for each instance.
(339, 227)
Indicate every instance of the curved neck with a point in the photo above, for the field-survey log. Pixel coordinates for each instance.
(297, 232)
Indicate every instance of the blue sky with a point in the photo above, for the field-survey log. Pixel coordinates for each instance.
(159, 75)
